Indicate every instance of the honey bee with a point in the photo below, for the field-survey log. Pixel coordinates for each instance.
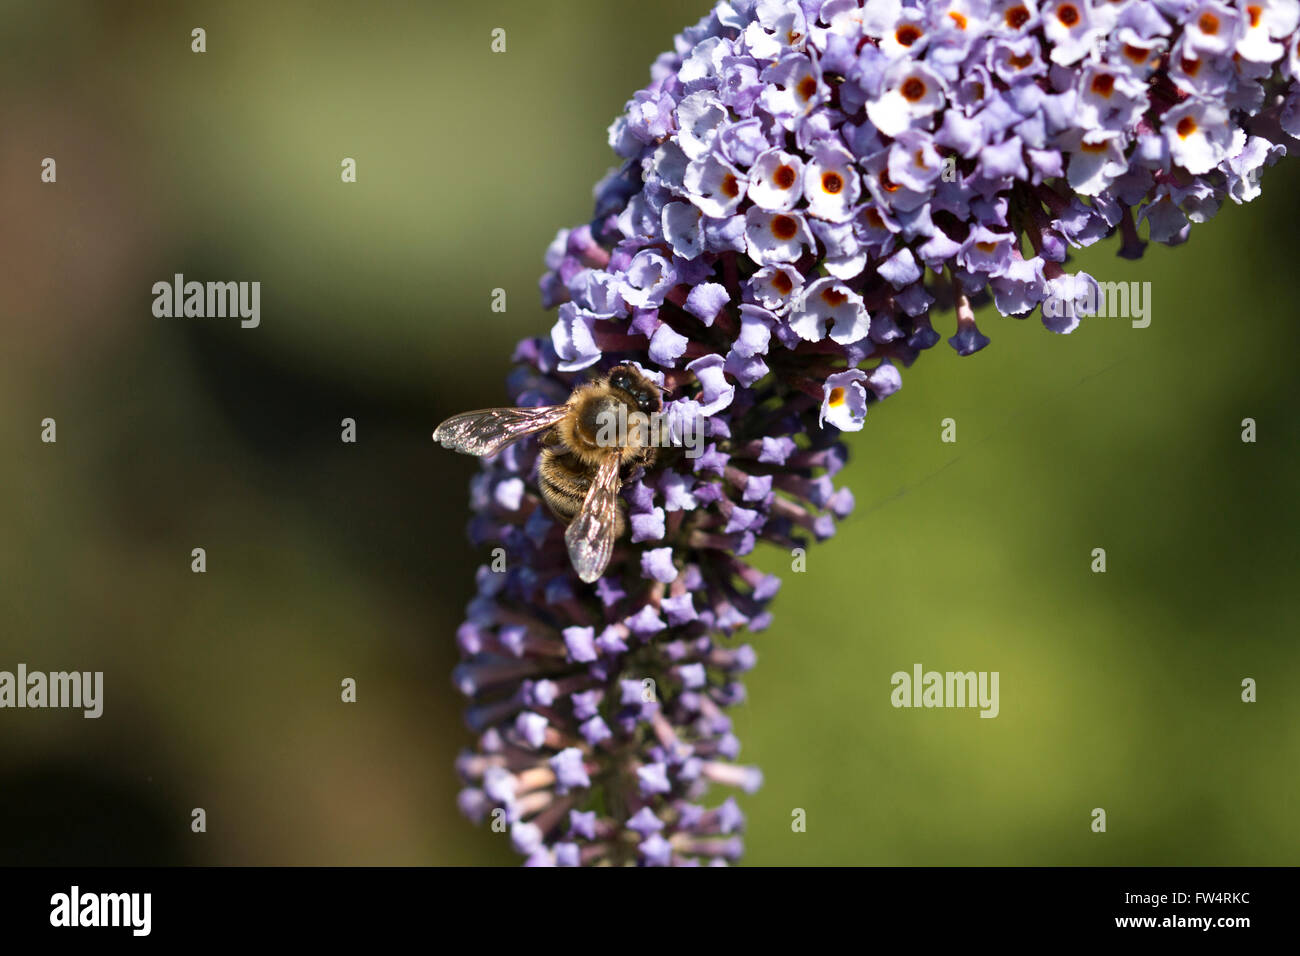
(582, 464)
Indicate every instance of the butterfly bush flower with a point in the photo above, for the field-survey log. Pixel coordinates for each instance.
(803, 184)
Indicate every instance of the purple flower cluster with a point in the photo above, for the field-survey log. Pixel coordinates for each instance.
(804, 182)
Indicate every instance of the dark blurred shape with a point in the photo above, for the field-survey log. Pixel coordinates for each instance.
(61, 814)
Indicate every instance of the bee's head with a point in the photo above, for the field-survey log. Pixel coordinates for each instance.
(642, 391)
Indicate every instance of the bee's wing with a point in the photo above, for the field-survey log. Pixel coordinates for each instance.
(488, 430)
(590, 536)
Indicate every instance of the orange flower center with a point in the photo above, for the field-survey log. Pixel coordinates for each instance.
(907, 35)
(1186, 127)
(783, 177)
(785, 228)
(1135, 53)
(832, 182)
(1103, 84)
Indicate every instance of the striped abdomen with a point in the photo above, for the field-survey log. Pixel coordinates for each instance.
(563, 481)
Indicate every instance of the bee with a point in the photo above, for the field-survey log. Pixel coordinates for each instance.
(582, 467)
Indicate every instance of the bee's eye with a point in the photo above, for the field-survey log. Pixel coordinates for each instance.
(645, 403)
(619, 380)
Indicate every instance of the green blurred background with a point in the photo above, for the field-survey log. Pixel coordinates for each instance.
(328, 560)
